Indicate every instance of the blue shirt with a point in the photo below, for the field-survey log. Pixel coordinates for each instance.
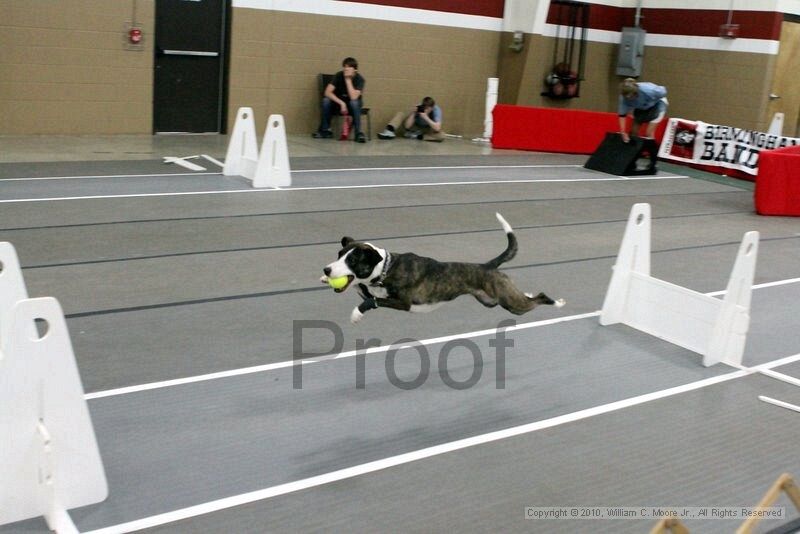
(649, 95)
(435, 115)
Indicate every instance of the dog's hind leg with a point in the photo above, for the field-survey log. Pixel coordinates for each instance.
(517, 302)
(484, 298)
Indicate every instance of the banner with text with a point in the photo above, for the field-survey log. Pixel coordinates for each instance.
(720, 146)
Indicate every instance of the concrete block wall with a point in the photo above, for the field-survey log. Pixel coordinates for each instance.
(65, 68)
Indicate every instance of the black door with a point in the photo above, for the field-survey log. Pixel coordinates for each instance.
(189, 65)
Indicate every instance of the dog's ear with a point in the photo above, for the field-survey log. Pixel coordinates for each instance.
(346, 241)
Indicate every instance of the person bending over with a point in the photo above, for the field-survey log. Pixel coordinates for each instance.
(646, 101)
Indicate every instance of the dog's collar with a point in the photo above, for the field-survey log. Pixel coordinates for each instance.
(378, 280)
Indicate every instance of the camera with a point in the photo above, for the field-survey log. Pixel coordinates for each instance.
(420, 109)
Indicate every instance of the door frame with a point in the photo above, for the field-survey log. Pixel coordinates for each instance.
(223, 74)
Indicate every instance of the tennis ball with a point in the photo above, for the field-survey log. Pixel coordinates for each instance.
(337, 283)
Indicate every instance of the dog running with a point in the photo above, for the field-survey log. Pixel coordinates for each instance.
(407, 282)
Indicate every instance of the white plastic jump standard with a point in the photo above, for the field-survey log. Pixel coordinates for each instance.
(776, 126)
(715, 328)
(12, 284)
(50, 461)
(491, 100)
(270, 166)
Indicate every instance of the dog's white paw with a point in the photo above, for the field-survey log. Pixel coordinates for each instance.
(529, 295)
(356, 315)
(323, 279)
(560, 303)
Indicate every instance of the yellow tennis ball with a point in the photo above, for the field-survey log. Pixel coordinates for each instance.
(337, 283)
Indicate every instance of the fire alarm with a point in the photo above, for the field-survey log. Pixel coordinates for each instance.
(135, 35)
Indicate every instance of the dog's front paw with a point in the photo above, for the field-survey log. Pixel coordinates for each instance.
(560, 303)
(323, 279)
(356, 315)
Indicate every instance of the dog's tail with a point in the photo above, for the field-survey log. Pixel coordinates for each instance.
(510, 251)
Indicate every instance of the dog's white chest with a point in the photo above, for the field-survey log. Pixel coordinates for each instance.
(379, 292)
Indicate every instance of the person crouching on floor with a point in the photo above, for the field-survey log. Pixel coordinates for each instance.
(424, 122)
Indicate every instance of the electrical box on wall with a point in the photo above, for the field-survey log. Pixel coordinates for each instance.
(631, 52)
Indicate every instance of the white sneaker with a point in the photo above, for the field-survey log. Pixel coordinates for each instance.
(387, 134)
(412, 134)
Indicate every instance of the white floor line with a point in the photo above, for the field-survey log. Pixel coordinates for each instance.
(37, 178)
(780, 376)
(301, 171)
(341, 355)
(779, 403)
(373, 350)
(328, 187)
(378, 465)
(450, 167)
(774, 363)
(761, 286)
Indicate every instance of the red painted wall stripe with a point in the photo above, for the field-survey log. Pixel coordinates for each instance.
(484, 8)
(692, 22)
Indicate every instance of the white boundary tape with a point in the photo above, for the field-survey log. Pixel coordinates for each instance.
(779, 403)
(331, 187)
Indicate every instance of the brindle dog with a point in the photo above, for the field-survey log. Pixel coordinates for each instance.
(405, 281)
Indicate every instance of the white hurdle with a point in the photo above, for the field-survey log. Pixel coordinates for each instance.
(12, 284)
(270, 166)
(715, 328)
(49, 462)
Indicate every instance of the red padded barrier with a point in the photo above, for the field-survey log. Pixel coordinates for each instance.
(778, 182)
(574, 131)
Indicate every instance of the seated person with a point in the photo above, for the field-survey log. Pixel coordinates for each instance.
(343, 93)
(424, 122)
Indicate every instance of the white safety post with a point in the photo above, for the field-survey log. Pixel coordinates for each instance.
(50, 461)
(273, 161)
(270, 166)
(634, 256)
(12, 284)
(242, 152)
(715, 328)
(491, 100)
(729, 332)
(776, 126)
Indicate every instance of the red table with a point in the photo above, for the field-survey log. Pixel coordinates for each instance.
(778, 182)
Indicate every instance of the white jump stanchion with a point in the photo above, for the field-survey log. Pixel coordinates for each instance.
(729, 333)
(715, 328)
(12, 284)
(50, 461)
(776, 126)
(242, 154)
(273, 161)
(491, 101)
(270, 166)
